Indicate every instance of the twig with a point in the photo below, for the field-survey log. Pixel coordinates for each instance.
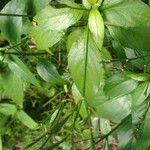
(28, 54)
(15, 15)
(124, 59)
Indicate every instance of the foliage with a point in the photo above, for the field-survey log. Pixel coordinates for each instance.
(75, 75)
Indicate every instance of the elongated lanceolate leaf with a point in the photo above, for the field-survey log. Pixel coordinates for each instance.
(85, 67)
(26, 119)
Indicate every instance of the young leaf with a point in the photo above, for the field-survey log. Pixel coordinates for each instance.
(26, 120)
(57, 19)
(92, 1)
(96, 26)
(85, 67)
(48, 72)
(11, 26)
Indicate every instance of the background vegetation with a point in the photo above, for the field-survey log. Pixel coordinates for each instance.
(74, 74)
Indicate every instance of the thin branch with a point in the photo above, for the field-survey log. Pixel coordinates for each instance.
(125, 59)
(15, 15)
(84, 88)
(27, 54)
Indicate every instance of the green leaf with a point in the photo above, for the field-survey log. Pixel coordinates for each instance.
(112, 109)
(78, 97)
(13, 87)
(45, 38)
(26, 120)
(143, 142)
(86, 4)
(58, 125)
(96, 26)
(57, 19)
(124, 13)
(73, 37)
(55, 145)
(12, 26)
(21, 70)
(34, 6)
(49, 73)
(85, 67)
(119, 85)
(125, 134)
(140, 94)
(125, 25)
(132, 37)
(39, 5)
(139, 112)
(7, 109)
(139, 76)
(69, 3)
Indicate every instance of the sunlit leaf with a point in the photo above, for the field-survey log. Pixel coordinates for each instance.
(45, 38)
(57, 19)
(96, 26)
(85, 67)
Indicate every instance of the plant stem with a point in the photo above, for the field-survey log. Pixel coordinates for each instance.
(15, 15)
(27, 54)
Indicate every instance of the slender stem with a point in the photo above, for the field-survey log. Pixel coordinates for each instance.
(125, 59)
(84, 87)
(27, 54)
(75, 119)
(86, 62)
(15, 15)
